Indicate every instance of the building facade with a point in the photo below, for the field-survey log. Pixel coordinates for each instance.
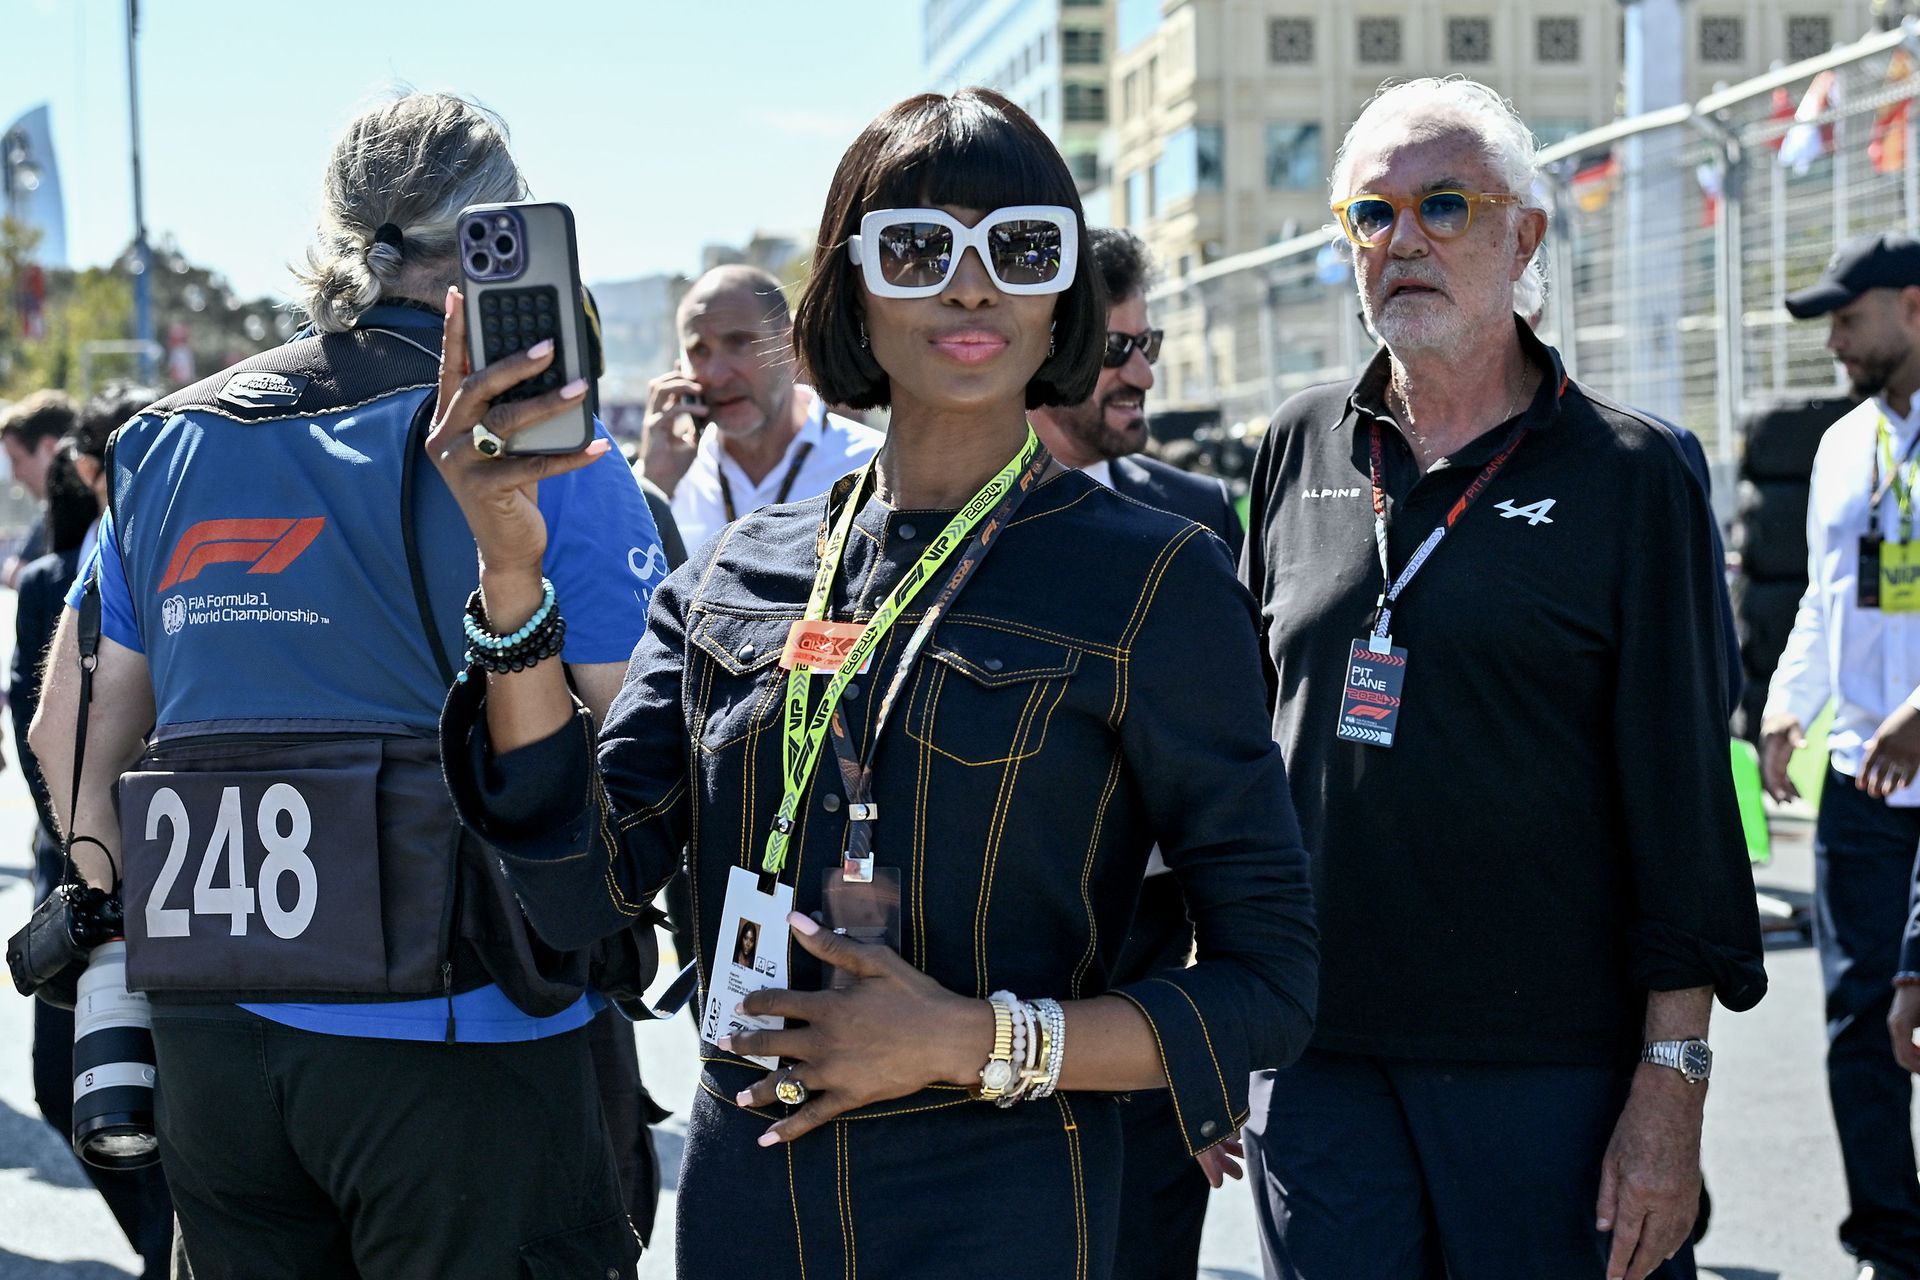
(1053, 57)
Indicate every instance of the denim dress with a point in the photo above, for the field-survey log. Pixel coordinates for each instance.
(1093, 690)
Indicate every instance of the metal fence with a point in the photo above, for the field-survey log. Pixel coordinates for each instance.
(1674, 237)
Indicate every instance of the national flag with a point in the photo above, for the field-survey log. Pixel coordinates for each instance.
(1594, 185)
(1807, 140)
(1887, 147)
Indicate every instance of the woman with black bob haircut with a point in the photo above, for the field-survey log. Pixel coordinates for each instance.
(943, 713)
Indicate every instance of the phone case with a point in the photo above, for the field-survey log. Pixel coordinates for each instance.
(522, 270)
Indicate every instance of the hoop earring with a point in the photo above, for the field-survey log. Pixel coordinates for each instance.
(863, 334)
(1050, 329)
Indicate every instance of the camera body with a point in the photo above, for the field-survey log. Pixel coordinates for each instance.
(49, 953)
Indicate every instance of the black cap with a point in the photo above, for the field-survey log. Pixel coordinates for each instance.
(1886, 261)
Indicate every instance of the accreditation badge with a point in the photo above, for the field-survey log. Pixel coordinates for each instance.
(1866, 574)
(1370, 702)
(1900, 577)
(751, 954)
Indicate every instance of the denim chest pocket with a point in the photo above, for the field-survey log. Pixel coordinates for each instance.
(737, 688)
(985, 696)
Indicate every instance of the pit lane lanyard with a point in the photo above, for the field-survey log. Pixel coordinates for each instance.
(1382, 637)
(1900, 479)
(786, 485)
(802, 736)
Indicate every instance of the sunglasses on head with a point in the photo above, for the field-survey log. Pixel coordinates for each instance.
(1369, 219)
(913, 253)
(1121, 346)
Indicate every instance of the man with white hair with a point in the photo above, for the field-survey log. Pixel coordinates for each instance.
(1488, 601)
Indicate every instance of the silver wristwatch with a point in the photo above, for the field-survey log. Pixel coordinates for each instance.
(1691, 1058)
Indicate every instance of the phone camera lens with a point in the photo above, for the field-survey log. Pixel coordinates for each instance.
(476, 231)
(503, 245)
(480, 262)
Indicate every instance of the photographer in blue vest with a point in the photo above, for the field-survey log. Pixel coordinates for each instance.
(367, 1066)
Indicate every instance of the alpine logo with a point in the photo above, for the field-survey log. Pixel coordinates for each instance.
(264, 546)
(1535, 513)
(1312, 492)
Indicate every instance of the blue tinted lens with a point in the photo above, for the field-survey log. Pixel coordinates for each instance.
(1444, 213)
(1370, 218)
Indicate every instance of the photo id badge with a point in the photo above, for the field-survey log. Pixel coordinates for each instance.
(864, 910)
(751, 953)
(1867, 573)
(1900, 577)
(1370, 703)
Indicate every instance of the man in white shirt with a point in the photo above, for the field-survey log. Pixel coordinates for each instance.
(766, 438)
(1856, 642)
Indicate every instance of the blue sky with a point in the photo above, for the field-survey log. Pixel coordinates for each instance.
(666, 124)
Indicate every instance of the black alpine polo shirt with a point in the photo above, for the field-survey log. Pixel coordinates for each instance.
(1554, 831)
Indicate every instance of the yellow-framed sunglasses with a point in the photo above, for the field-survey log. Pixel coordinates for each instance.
(1368, 219)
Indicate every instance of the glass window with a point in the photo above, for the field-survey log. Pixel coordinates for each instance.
(1137, 198)
(1293, 156)
(1082, 47)
(1086, 103)
(1189, 163)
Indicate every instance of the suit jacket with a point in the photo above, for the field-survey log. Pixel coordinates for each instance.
(1201, 499)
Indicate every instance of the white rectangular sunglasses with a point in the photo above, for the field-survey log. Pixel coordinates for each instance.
(913, 253)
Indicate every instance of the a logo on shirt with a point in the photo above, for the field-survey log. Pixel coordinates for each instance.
(264, 546)
(1311, 492)
(263, 389)
(1535, 512)
(173, 614)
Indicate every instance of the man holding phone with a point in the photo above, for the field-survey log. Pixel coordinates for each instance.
(771, 438)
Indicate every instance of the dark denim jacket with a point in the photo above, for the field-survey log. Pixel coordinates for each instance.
(1095, 689)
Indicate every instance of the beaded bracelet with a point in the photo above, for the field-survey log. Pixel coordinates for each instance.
(541, 637)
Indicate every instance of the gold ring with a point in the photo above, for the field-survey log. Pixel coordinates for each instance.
(789, 1090)
(488, 444)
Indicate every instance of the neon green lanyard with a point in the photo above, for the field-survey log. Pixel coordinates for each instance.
(803, 736)
(1899, 479)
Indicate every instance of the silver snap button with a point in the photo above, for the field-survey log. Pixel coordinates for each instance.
(994, 664)
(907, 531)
(1208, 1129)
(831, 803)
(746, 651)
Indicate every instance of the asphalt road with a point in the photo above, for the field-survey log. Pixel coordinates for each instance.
(1770, 1157)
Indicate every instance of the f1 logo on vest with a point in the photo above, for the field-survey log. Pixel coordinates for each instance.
(264, 546)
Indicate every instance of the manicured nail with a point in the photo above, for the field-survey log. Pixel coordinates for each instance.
(1603, 1225)
(804, 923)
(599, 447)
(768, 1138)
(724, 1044)
(453, 296)
(574, 390)
(744, 1097)
(541, 350)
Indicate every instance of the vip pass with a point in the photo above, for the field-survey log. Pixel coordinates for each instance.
(804, 736)
(541, 637)
(1029, 1046)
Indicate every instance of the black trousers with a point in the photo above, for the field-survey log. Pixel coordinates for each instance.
(630, 1112)
(294, 1155)
(137, 1198)
(1863, 858)
(1364, 1168)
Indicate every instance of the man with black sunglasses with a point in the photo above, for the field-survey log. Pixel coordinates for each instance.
(1164, 1187)
(1489, 602)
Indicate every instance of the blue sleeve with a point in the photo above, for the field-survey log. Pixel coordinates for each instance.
(117, 622)
(603, 557)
